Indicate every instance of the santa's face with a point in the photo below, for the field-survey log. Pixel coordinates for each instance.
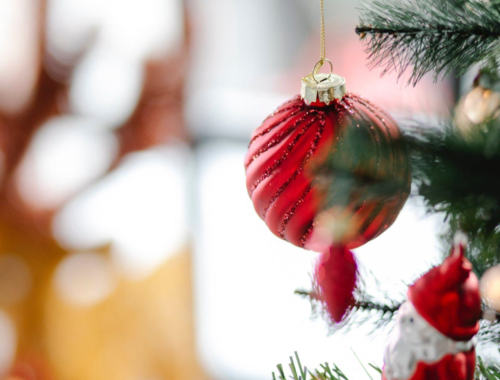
(413, 341)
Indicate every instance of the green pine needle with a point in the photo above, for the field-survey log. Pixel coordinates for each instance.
(484, 372)
(430, 35)
(457, 174)
(327, 372)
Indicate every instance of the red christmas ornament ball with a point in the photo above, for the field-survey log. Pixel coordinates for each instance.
(298, 137)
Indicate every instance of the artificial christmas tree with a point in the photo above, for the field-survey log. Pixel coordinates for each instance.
(454, 170)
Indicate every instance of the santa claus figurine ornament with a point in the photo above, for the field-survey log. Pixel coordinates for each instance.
(434, 336)
(301, 136)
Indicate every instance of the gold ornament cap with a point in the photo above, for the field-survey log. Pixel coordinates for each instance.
(324, 88)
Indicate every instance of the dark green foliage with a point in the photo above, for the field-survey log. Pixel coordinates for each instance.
(456, 173)
(459, 175)
(357, 169)
(430, 35)
(489, 333)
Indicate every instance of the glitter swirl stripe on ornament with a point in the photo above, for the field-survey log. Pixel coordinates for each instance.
(286, 151)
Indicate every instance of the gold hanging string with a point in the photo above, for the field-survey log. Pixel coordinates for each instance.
(323, 44)
(323, 58)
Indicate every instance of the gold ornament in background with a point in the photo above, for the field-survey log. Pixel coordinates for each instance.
(490, 288)
(481, 104)
(478, 106)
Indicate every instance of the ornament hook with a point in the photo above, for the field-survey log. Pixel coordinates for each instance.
(322, 87)
(318, 67)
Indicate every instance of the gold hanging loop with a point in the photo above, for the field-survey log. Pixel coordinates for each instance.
(318, 67)
(319, 87)
(322, 53)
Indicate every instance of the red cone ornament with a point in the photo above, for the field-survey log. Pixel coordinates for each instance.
(298, 138)
(336, 280)
(434, 333)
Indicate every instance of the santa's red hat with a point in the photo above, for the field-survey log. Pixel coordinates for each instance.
(448, 297)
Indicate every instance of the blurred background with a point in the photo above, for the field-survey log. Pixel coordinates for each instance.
(128, 246)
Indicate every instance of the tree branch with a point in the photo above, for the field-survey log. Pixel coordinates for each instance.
(430, 35)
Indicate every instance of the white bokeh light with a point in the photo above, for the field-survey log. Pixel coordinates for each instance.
(8, 342)
(111, 41)
(140, 208)
(143, 29)
(137, 29)
(65, 154)
(84, 279)
(106, 86)
(71, 25)
(19, 53)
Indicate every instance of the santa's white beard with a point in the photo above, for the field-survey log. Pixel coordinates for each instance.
(413, 341)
